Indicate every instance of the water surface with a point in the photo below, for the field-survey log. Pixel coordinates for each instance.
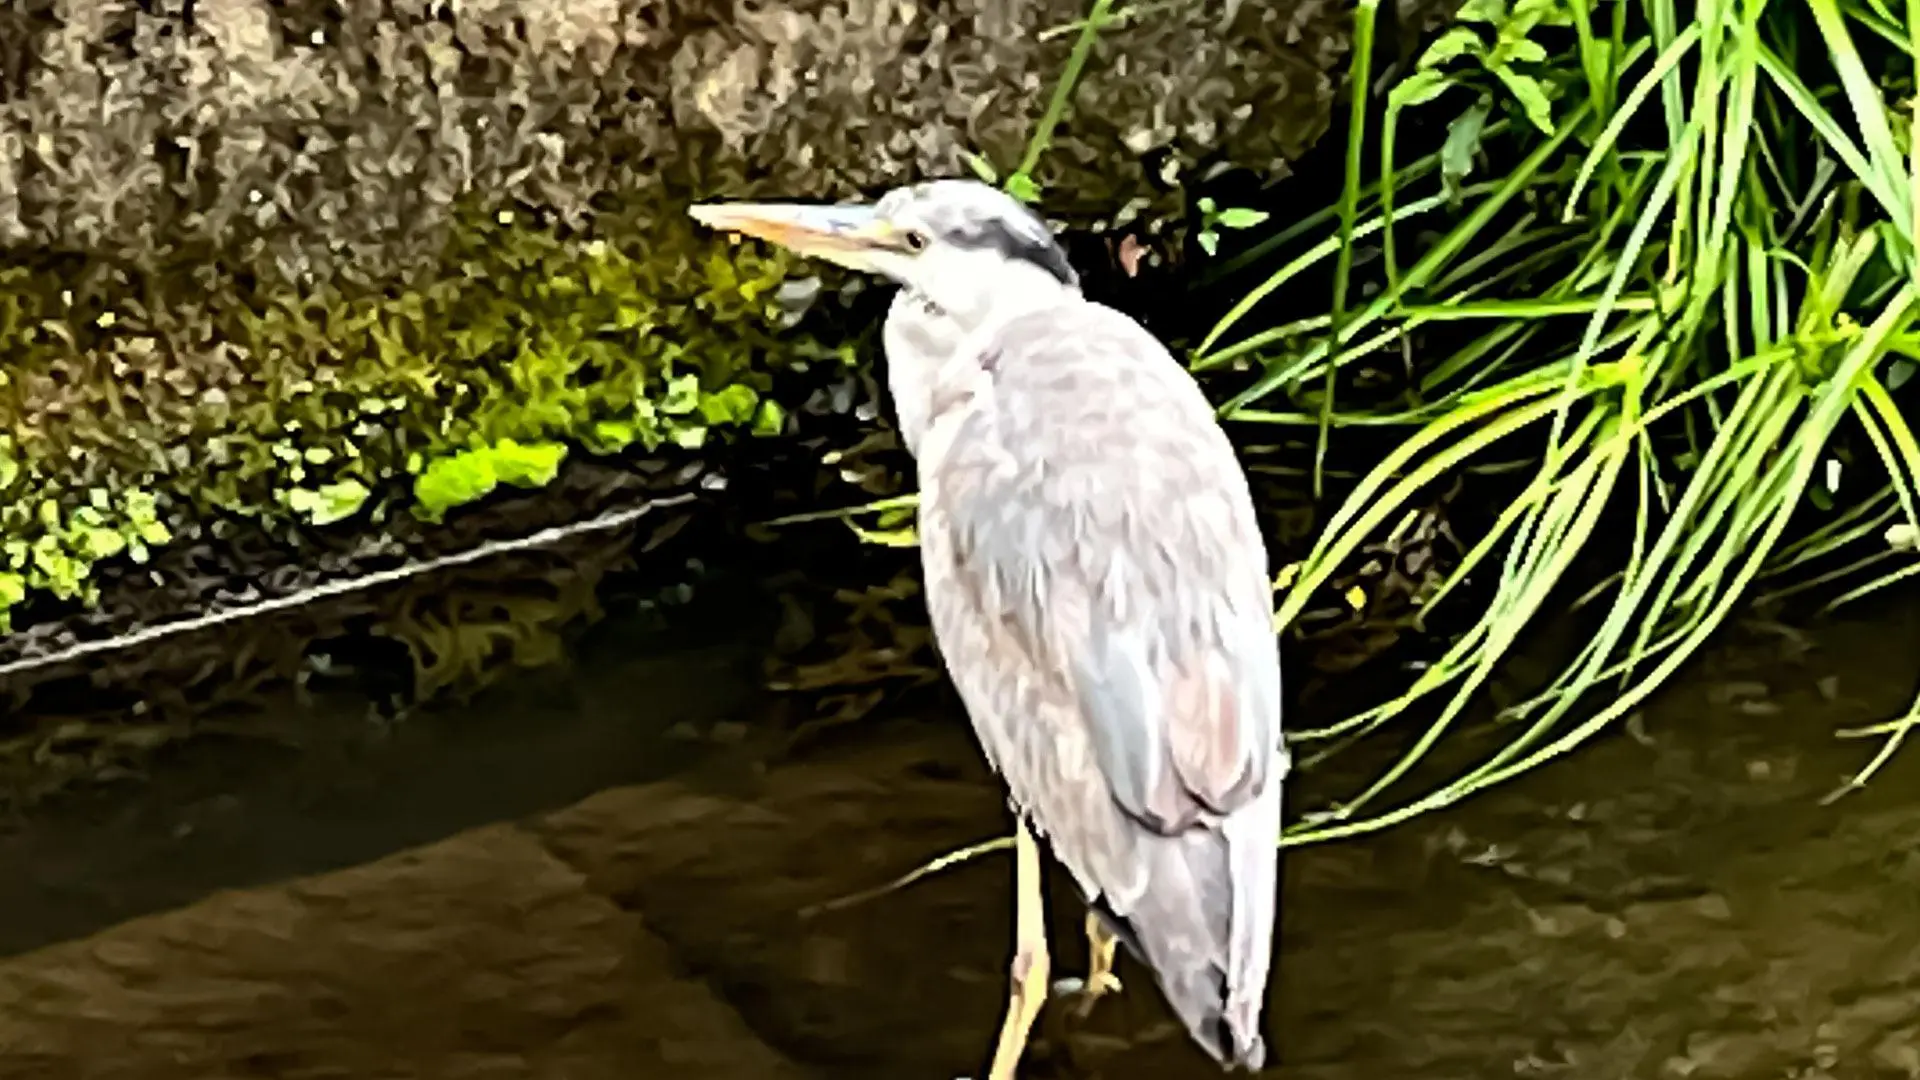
(604, 869)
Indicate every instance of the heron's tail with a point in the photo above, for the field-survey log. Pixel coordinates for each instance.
(1206, 926)
(1253, 859)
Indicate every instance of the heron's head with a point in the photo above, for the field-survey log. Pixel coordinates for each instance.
(967, 247)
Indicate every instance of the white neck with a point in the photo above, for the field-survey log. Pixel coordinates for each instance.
(930, 325)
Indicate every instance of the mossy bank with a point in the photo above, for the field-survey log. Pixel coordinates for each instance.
(315, 269)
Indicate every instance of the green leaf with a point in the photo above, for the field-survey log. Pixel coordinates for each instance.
(1899, 373)
(1209, 241)
(1455, 43)
(1023, 187)
(97, 543)
(1463, 143)
(1525, 51)
(683, 395)
(13, 589)
(631, 316)
(771, 419)
(63, 573)
(1531, 13)
(611, 436)
(530, 465)
(331, 503)
(453, 481)
(1486, 11)
(1241, 218)
(981, 167)
(1418, 89)
(733, 405)
(1532, 97)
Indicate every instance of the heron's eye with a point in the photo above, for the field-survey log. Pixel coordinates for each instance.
(915, 240)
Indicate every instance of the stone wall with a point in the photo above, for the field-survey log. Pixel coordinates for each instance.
(330, 138)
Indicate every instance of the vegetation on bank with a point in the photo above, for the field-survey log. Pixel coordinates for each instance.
(210, 214)
(311, 408)
(1655, 266)
(1664, 267)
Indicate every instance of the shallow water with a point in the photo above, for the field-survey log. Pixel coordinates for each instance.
(601, 870)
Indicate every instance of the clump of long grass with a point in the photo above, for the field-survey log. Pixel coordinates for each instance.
(1665, 259)
(1690, 281)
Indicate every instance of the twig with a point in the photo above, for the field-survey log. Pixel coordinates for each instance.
(610, 520)
(944, 862)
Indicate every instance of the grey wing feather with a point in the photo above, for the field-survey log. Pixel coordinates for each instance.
(1094, 504)
(1098, 589)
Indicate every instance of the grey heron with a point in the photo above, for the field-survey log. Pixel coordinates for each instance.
(1098, 589)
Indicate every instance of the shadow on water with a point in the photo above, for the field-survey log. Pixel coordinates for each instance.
(329, 784)
(603, 869)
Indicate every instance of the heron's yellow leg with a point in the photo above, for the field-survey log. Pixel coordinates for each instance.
(1101, 981)
(1031, 965)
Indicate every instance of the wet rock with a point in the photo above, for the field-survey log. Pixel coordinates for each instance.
(726, 880)
(482, 956)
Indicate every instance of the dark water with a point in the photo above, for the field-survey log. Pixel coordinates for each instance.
(604, 869)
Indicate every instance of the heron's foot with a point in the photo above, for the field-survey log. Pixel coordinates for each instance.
(1083, 994)
(1071, 1044)
(1100, 980)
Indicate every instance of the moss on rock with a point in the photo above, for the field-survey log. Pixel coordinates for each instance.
(312, 263)
(530, 344)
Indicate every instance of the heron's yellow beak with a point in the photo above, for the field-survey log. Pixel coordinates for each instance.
(847, 235)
